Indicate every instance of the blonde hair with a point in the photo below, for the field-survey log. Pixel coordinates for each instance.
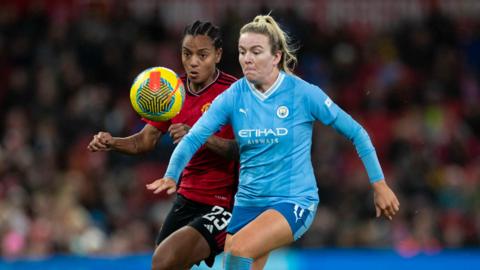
(279, 40)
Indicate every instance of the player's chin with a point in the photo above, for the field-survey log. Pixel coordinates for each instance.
(196, 78)
(251, 78)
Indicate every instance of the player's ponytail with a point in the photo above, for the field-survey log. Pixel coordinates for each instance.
(279, 40)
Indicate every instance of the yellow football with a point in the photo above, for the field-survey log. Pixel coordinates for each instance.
(157, 94)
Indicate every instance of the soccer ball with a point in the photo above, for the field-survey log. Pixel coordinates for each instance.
(157, 94)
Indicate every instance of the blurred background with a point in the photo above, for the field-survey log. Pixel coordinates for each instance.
(408, 71)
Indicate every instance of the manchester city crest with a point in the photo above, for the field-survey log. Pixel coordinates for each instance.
(282, 111)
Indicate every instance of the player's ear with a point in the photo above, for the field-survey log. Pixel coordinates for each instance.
(277, 57)
(218, 55)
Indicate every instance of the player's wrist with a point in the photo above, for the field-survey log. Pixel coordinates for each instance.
(170, 178)
(380, 184)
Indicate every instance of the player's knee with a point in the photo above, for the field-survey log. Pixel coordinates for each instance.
(239, 250)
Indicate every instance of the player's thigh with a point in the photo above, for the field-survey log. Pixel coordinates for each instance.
(183, 248)
(269, 231)
(180, 215)
(212, 225)
(228, 242)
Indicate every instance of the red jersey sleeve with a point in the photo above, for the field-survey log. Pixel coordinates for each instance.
(162, 126)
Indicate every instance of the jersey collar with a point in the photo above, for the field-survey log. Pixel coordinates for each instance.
(198, 93)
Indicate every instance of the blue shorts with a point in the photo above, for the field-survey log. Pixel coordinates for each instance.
(297, 217)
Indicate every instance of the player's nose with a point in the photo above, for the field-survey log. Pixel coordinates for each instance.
(248, 59)
(194, 62)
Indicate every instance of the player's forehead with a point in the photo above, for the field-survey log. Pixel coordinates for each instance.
(197, 43)
(251, 40)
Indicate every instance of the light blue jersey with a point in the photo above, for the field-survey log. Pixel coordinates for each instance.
(274, 133)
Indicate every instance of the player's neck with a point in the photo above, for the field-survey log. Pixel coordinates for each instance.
(268, 82)
(199, 87)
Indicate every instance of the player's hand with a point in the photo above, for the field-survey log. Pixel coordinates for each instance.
(177, 131)
(100, 142)
(386, 203)
(162, 184)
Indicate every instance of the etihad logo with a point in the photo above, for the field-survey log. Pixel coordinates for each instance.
(263, 136)
(249, 133)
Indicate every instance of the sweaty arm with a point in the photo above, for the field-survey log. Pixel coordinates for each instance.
(215, 117)
(353, 131)
(227, 148)
(141, 142)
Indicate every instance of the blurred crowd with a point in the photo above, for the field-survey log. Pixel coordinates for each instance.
(414, 87)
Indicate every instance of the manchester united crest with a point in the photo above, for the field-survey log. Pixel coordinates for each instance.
(205, 107)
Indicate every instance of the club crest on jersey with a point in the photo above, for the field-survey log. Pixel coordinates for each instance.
(205, 107)
(282, 111)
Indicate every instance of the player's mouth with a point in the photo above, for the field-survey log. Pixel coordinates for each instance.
(248, 70)
(193, 74)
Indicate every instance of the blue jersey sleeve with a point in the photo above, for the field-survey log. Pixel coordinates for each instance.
(210, 122)
(325, 110)
(352, 130)
(321, 106)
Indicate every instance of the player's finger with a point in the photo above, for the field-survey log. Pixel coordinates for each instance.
(91, 148)
(378, 211)
(171, 190)
(395, 207)
(159, 189)
(99, 137)
(397, 203)
(97, 141)
(179, 131)
(95, 146)
(387, 214)
(391, 211)
(174, 127)
(104, 138)
(174, 135)
(153, 185)
(99, 145)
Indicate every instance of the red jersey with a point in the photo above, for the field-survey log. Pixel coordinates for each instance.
(208, 178)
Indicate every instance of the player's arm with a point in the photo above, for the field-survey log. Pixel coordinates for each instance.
(325, 110)
(214, 118)
(385, 201)
(226, 148)
(140, 142)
